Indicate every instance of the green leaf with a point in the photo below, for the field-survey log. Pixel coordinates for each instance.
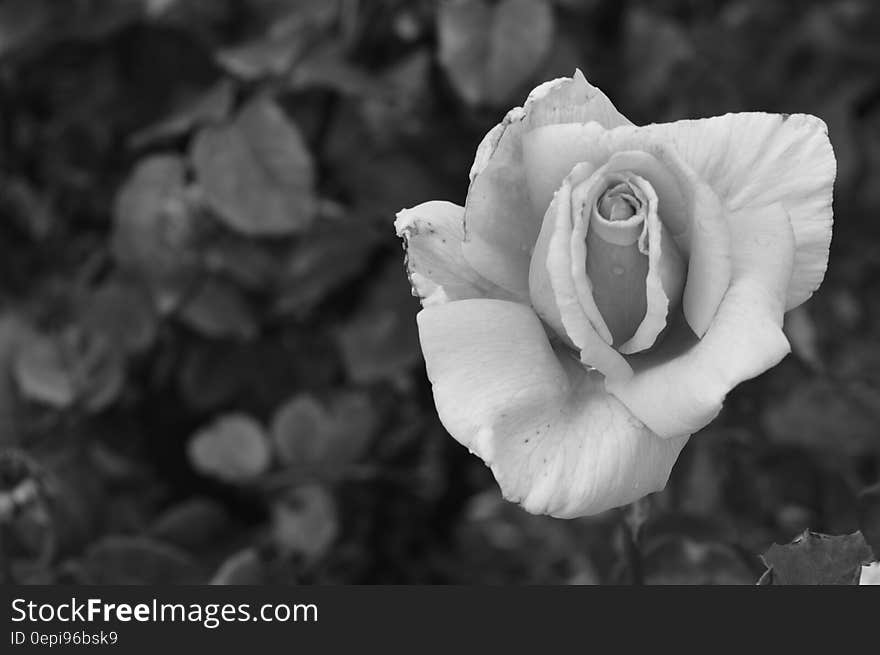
(490, 50)
(257, 172)
(817, 559)
(233, 448)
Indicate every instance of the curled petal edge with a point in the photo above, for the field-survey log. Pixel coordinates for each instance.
(744, 339)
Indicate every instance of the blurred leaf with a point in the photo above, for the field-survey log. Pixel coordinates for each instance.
(155, 228)
(26, 209)
(257, 172)
(192, 524)
(13, 333)
(327, 67)
(292, 29)
(869, 517)
(242, 568)
(814, 559)
(381, 342)
(681, 559)
(490, 50)
(233, 448)
(258, 373)
(98, 368)
(332, 253)
(304, 522)
(823, 415)
(263, 57)
(308, 434)
(218, 309)
(76, 366)
(43, 374)
(212, 106)
(37, 23)
(122, 312)
(211, 375)
(655, 46)
(249, 263)
(399, 110)
(136, 560)
(500, 542)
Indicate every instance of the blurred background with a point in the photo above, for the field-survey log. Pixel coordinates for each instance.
(209, 369)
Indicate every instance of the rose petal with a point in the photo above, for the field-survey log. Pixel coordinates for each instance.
(663, 284)
(745, 338)
(709, 265)
(570, 311)
(432, 234)
(555, 441)
(755, 159)
(689, 209)
(571, 100)
(502, 223)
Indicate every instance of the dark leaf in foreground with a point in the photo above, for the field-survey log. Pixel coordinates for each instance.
(817, 559)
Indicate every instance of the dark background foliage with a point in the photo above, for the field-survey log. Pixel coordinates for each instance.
(210, 370)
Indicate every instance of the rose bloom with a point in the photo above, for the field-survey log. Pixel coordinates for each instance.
(606, 285)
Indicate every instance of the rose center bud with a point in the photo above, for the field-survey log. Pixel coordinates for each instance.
(617, 262)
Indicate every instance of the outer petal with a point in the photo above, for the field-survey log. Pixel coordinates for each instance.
(502, 222)
(744, 339)
(556, 442)
(753, 160)
(432, 233)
